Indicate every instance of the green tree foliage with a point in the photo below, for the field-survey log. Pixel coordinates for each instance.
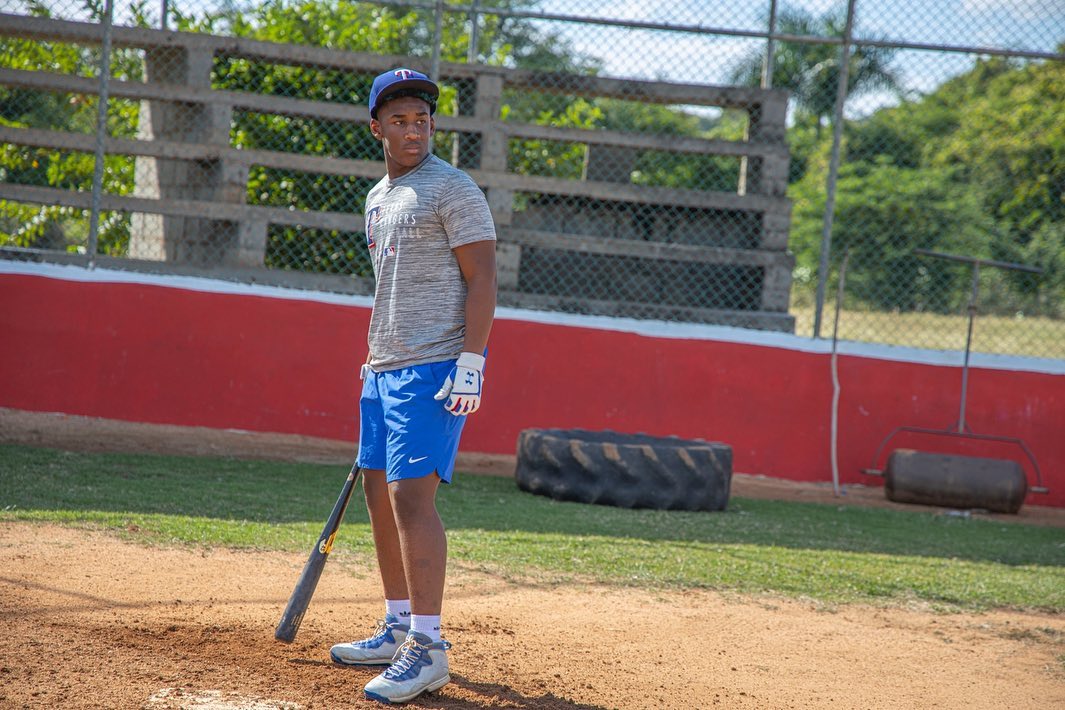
(54, 226)
(671, 169)
(1010, 146)
(365, 27)
(811, 71)
(990, 146)
(553, 158)
(883, 212)
(334, 24)
(976, 166)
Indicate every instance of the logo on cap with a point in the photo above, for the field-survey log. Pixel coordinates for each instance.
(398, 79)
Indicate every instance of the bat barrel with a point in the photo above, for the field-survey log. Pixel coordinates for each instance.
(312, 571)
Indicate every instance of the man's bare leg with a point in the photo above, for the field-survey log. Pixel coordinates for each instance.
(421, 664)
(380, 648)
(385, 534)
(422, 541)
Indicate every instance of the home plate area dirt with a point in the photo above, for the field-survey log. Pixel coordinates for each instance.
(94, 620)
(91, 620)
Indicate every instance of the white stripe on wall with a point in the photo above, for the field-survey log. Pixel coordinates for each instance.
(646, 328)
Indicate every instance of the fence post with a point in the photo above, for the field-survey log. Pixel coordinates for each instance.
(751, 169)
(770, 47)
(438, 39)
(466, 148)
(492, 157)
(101, 134)
(833, 166)
(471, 49)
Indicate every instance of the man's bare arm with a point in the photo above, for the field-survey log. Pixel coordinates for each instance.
(477, 261)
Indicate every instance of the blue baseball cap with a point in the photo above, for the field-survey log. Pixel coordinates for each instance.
(396, 80)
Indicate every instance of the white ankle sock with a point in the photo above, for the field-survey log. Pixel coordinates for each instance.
(399, 608)
(425, 624)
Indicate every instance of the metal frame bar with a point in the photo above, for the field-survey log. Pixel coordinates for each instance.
(963, 432)
(974, 291)
(833, 167)
(874, 471)
(101, 135)
(722, 31)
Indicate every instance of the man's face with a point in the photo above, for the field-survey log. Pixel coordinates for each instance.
(404, 128)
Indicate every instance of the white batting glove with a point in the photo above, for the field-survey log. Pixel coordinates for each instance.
(365, 371)
(462, 388)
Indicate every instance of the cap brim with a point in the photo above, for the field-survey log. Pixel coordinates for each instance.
(416, 84)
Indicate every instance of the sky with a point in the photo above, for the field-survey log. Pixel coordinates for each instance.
(1023, 24)
(691, 57)
(1033, 25)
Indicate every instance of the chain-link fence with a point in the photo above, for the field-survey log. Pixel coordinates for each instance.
(640, 160)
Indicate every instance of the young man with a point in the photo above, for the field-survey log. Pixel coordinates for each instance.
(432, 243)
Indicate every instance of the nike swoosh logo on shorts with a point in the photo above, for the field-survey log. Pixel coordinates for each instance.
(411, 459)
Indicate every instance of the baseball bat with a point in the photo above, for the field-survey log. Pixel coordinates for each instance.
(312, 571)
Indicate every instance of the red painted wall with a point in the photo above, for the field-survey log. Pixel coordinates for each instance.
(157, 353)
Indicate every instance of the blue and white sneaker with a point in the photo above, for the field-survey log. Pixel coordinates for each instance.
(378, 650)
(420, 667)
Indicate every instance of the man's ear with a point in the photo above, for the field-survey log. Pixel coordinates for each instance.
(432, 125)
(375, 128)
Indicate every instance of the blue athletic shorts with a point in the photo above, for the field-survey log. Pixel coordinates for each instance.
(402, 429)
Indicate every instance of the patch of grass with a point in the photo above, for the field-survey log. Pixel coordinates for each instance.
(1033, 336)
(823, 552)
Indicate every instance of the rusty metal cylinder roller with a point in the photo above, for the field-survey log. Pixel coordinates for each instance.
(951, 481)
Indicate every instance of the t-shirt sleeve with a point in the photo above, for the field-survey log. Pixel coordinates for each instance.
(464, 212)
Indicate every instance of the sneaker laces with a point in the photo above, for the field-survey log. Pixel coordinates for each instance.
(410, 653)
(406, 656)
(381, 630)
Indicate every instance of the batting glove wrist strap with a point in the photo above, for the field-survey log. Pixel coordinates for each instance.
(462, 388)
(472, 361)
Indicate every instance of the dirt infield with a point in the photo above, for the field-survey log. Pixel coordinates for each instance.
(92, 620)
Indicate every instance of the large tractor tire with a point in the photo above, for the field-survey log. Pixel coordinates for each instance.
(624, 470)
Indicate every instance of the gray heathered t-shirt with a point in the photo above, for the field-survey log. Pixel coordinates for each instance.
(412, 224)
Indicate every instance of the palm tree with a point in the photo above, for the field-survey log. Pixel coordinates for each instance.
(811, 71)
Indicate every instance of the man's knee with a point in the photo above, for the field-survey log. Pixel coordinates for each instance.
(414, 497)
(375, 488)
